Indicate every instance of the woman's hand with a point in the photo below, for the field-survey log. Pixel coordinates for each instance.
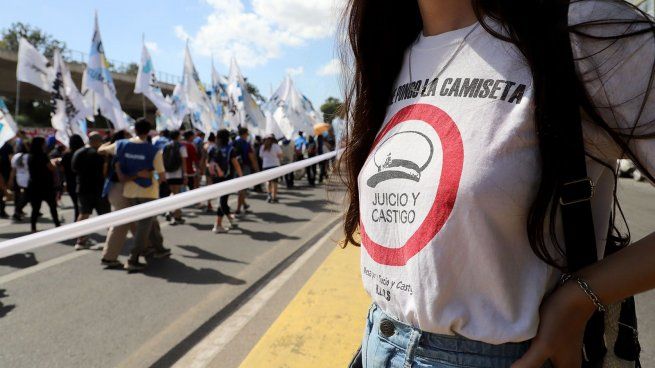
(564, 315)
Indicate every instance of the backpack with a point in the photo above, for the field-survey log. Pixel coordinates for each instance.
(134, 157)
(172, 157)
(220, 161)
(311, 149)
(223, 160)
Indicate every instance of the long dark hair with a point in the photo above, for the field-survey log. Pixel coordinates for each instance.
(376, 52)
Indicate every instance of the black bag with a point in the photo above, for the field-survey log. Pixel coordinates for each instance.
(172, 157)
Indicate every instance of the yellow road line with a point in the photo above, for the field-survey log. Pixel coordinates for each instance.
(323, 324)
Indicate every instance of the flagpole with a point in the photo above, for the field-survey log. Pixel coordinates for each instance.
(16, 108)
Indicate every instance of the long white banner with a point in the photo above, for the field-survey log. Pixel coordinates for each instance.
(149, 209)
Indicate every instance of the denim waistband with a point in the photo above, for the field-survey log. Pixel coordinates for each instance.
(453, 349)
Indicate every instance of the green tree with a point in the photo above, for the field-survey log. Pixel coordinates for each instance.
(132, 69)
(45, 43)
(330, 109)
(254, 91)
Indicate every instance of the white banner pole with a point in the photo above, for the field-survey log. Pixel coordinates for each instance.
(16, 109)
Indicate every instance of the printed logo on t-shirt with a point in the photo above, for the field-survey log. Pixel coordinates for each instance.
(410, 183)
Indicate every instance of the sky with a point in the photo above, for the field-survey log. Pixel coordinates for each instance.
(269, 38)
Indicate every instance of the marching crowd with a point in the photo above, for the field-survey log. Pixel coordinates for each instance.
(119, 171)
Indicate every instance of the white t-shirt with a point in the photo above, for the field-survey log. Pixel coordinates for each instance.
(270, 158)
(445, 193)
(19, 163)
(177, 174)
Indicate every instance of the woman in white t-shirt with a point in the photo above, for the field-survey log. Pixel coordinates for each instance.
(453, 185)
(271, 154)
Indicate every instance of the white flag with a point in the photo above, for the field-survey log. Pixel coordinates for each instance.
(32, 66)
(98, 85)
(340, 129)
(146, 83)
(8, 128)
(242, 108)
(219, 96)
(296, 110)
(69, 110)
(198, 102)
(272, 126)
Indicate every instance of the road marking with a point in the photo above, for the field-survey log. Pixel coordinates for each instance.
(151, 350)
(54, 261)
(204, 352)
(64, 258)
(42, 266)
(322, 325)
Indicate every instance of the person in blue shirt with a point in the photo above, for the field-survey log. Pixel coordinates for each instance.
(248, 161)
(300, 143)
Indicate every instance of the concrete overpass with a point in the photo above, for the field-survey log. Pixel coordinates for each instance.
(131, 103)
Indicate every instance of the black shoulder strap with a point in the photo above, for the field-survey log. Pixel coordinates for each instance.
(575, 189)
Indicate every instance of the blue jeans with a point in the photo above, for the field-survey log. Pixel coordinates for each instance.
(389, 343)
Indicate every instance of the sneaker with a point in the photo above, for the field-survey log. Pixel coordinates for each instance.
(81, 246)
(179, 221)
(231, 223)
(275, 200)
(134, 266)
(111, 264)
(219, 230)
(168, 216)
(163, 253)
(246, 208)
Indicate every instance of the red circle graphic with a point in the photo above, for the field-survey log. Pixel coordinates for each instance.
(444, 200)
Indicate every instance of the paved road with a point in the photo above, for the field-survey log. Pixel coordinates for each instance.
(63, 310)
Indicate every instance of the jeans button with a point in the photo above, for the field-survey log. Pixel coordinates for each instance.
(387, 328)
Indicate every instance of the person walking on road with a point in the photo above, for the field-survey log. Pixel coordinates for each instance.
(19, 179)
(288, 156)
(137, 161)
(70, 176)
(271, 154)
(248, 160)
(311, 169)
(192, 161)
(6, 153)
(175, 162)
(41, 186)
(204, 164)
(113, 191)
(223, 165)
(481, 172)
(90, 170)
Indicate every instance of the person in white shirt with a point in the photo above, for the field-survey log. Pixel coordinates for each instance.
(271, 154)
(452, 194)
(19, 178)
